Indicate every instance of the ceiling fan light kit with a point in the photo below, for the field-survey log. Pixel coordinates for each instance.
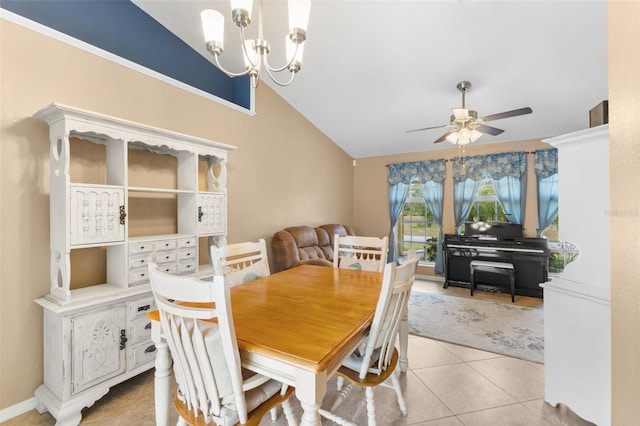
(464, 136)
(467, 127)
(255, 51)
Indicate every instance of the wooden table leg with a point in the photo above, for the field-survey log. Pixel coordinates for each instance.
(310, 389)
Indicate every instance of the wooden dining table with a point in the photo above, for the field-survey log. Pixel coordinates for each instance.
(296, 326)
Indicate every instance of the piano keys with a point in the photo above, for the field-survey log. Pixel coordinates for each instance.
(497, 242)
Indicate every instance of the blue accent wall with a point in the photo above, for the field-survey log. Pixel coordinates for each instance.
(122, 28)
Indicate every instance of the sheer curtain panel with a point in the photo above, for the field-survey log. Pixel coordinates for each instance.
(546, 166)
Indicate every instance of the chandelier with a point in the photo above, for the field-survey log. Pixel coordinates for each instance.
(256, 51)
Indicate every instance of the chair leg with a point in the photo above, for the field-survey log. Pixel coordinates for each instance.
(371, 408)
(342, 395)
(274, 414)
(288, 413)
(336, 419)
(339, 383)
(398, 389)
(403, 337)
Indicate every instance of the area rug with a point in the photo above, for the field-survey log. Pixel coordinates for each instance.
(501, 328)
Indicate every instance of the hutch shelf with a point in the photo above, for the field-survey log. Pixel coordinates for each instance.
(132, 177)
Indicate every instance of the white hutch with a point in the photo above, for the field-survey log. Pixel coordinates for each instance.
(577, 324)
(96, 333)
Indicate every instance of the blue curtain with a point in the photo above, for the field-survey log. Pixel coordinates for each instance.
(434, 197)
(546, 167)
(397, 196)
(400, 177)
(511, 194)
(464, 194)
(508, 172)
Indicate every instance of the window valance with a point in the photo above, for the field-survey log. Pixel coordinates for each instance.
(422, 171)
(546, 163)
(495, 166)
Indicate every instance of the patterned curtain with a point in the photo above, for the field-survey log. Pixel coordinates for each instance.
(400, 177)
(546, 167)
(508, 172)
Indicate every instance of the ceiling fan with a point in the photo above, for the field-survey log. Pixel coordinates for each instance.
(466, 126)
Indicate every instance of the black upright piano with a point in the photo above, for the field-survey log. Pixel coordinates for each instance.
(496, 242)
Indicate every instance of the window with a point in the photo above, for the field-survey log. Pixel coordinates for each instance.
(551, 233)
(416, 228)
(487, 208)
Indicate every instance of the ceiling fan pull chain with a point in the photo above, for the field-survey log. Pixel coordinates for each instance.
(461, 154)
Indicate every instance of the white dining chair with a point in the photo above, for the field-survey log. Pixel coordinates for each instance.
(376, 359)
(361, 253)
(213, 389)
(241, 262)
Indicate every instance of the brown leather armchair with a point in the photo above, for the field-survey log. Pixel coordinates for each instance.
(298, 245)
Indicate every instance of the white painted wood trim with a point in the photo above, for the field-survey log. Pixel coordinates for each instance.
(597, 294)
(57, 35)
(593, 134)
(18, 409)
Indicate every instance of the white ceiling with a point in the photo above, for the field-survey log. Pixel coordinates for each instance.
(374, 69)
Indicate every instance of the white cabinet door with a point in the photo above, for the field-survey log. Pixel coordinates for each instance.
(211, 214)
(98, 346)
(97, 214)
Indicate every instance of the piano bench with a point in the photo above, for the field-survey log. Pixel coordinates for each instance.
(497, 267)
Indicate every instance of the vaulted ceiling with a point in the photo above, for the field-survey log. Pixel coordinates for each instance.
(374, 69)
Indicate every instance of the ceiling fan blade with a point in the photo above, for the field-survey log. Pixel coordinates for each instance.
(444, 137)
(507, 114)
(427, 128)
(488, 129)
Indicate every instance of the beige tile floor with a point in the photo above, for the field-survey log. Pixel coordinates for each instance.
(446, 385)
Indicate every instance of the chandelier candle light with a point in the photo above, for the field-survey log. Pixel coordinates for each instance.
(255, 51)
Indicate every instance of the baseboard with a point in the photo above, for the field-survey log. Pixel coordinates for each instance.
(430, 278)
(18, 409)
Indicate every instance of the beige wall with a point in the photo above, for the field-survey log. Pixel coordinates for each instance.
(371, 173)
(36, 70)
(624, 192)
(285, 172)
